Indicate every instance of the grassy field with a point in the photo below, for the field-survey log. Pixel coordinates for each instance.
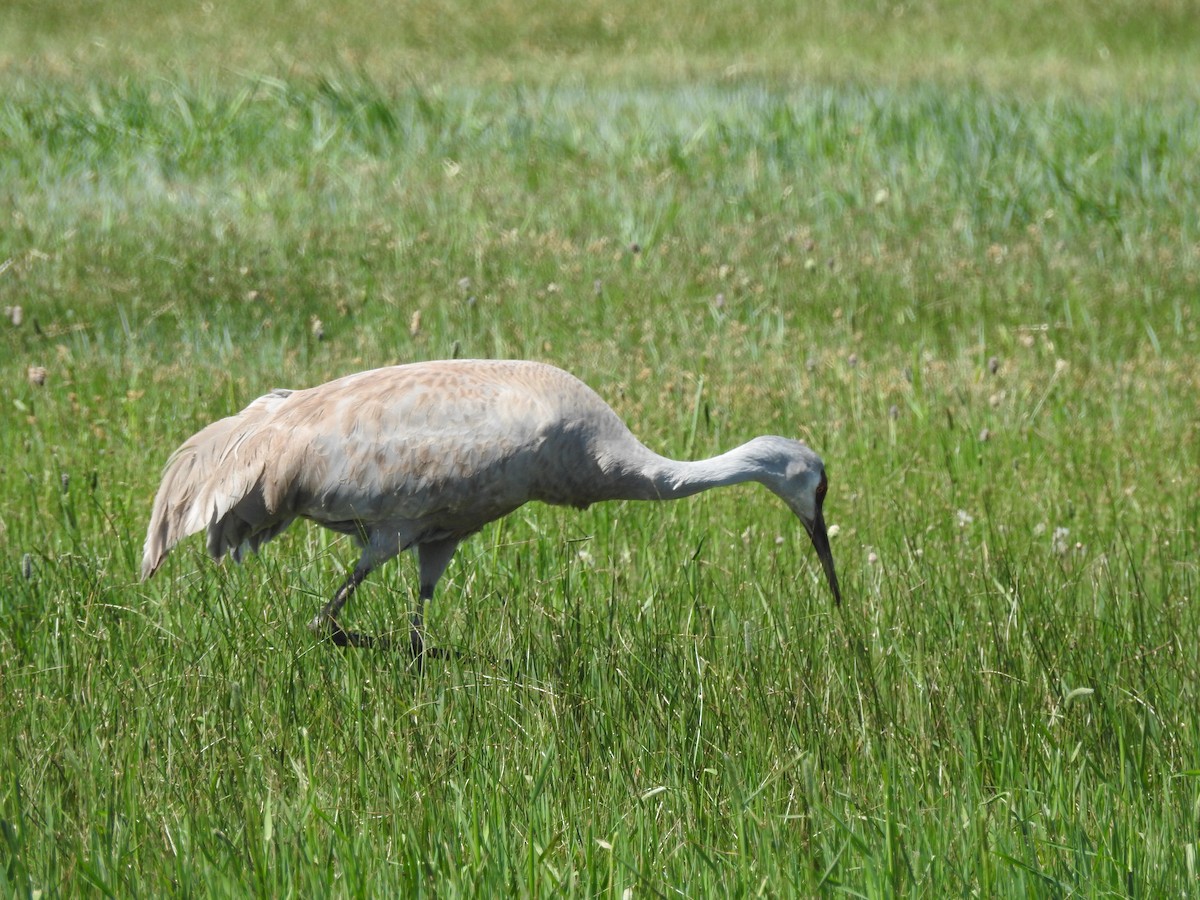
(956, 251)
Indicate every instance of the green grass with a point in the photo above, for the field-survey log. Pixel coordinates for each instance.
(958, 255)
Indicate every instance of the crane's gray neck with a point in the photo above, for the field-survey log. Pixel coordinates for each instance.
(655, 477)
(672, 478)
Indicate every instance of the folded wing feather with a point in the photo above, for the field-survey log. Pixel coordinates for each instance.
(215, 480)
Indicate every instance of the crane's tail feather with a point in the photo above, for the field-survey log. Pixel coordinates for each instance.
(218, 480)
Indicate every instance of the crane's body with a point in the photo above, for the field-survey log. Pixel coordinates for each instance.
(421, 456)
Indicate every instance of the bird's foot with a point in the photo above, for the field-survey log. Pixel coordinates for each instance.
(343, 638)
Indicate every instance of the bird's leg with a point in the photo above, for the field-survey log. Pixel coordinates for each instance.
(432, 560)
(417, 620)
(325, 622)
(330, 610)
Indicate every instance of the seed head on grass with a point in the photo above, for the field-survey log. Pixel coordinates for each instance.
(1060, 542)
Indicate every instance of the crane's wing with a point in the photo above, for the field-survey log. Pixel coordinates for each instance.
(413, 447)
(213, 473)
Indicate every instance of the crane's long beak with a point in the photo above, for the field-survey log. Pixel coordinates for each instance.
(820, 539)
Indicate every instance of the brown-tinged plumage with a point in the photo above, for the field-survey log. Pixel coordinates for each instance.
(420, 456)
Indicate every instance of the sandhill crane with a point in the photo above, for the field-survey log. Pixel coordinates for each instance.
(420, 456)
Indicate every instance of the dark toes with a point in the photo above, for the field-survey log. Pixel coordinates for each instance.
(343, 638)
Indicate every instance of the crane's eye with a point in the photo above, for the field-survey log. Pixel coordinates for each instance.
(822, 487)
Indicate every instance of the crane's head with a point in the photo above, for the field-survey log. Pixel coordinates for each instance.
(797, 476)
